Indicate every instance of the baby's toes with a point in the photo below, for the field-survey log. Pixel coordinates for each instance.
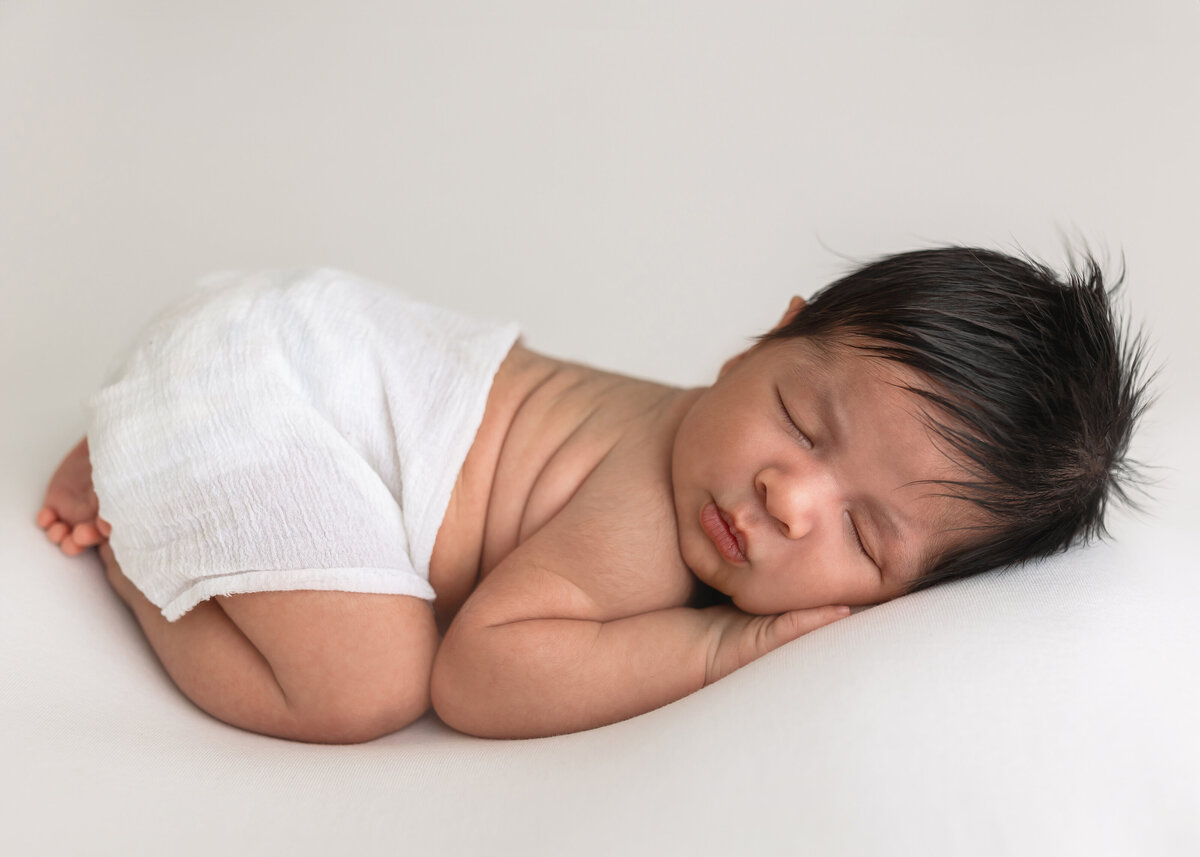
(74, 508)
(70, 547)
(86, 535)
(46, 517)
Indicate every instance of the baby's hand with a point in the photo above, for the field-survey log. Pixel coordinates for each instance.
(742, 637)
(70, 513)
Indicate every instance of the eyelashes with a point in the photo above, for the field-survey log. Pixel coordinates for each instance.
(858, 539)
(792, 428)
(861, 547)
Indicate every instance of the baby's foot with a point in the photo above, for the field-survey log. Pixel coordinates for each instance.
(70, 513)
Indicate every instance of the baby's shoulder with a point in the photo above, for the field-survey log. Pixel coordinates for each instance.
(618, 527)
(616, 537)
(582, 477)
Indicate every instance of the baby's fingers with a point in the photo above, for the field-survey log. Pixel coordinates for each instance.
(797, 623)
(743, 638)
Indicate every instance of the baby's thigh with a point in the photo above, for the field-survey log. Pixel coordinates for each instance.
(345, 657)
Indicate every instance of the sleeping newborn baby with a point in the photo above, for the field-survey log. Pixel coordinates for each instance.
(329, 506)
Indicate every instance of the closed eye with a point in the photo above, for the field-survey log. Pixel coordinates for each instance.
(858, 539)
(790, 423)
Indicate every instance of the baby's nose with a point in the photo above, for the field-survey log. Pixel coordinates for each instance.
(797, 502)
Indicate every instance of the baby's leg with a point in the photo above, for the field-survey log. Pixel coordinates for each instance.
(312, 666)
(327, 667)
(70, 510)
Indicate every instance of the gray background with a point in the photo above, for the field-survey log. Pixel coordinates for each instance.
(642, 184)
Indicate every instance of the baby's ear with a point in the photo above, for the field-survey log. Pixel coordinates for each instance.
(796, 304)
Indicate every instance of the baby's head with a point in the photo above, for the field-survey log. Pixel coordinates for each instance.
(1034, 389)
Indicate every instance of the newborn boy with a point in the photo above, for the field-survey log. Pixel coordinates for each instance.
(330, 507)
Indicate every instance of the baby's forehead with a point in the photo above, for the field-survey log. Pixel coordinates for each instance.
(845, 363)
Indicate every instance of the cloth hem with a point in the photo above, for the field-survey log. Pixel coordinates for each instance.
(377, 581)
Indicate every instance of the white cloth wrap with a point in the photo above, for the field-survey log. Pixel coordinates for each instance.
(288, 430)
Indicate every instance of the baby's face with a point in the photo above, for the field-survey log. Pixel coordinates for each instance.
(797, 480)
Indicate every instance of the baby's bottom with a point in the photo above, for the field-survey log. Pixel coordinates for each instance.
(331, 667)
(322, 666)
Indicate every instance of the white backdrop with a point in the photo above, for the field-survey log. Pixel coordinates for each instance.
(641, 184)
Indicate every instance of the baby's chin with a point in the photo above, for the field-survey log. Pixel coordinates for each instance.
(757, 608)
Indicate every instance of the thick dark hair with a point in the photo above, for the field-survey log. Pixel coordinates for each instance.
(1036, 385)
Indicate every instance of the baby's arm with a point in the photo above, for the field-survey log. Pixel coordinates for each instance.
(529, 656)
